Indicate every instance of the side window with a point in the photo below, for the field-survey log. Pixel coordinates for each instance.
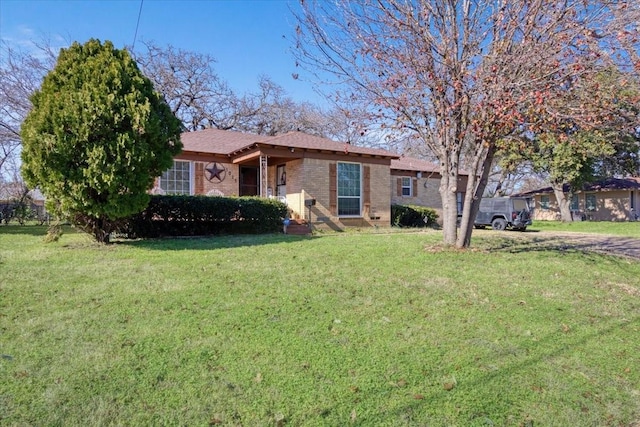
(544, 202)
(590, 202)
(406, 187)
(574, 205)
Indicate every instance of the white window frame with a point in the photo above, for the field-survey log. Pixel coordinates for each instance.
(163, 179)
(408, 186)
(339, 197)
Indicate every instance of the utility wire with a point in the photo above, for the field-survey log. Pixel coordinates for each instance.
(135, 36)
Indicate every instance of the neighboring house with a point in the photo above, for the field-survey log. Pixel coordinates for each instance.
(417, 182)
(613, 199)
(12, 193)
(330, 184)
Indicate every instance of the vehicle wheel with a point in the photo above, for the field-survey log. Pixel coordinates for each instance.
(499, 224)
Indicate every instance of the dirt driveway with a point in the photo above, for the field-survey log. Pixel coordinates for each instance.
(607, 244)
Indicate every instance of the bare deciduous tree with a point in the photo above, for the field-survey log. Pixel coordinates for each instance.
(190, 85)
(21, 72)
(462, 75)
(201, 99)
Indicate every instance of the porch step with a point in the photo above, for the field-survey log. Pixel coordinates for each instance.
(299, 228)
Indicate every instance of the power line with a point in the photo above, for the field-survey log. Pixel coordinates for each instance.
(135, 36)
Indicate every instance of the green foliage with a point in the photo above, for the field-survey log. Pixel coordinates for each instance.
(97, 136)
(412, 216)
(603, 143)
(54, 232)
(19, 210)
(202, 215)
(570, 158)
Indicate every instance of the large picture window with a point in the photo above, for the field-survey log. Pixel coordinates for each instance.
(349, 189)
(177, 180)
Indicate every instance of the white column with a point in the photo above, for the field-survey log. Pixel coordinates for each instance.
(263, 176)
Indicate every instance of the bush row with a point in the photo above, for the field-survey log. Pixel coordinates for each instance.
(202, 215)
(412, 216)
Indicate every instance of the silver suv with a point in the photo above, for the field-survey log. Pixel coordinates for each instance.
(503, 212)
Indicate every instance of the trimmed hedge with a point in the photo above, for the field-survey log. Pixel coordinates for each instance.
(412, 216)
(203, 215)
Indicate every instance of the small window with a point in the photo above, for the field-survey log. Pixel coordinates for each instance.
(590, 202)
(544, 202)
(406, 187)
(460, 202)
(574, 205)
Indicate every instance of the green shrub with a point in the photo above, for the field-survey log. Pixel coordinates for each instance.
(202, 215)
(412, 216)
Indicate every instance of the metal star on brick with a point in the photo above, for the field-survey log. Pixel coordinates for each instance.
(215, 171)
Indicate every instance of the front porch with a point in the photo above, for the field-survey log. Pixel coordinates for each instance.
(325, 183)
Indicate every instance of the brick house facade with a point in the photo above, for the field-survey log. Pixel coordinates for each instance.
(329, 184)
(417, 182)
(613, 199)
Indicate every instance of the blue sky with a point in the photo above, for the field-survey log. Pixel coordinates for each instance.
(244, 36)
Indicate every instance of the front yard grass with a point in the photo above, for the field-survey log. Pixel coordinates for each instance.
(341, 329)
(626, 229)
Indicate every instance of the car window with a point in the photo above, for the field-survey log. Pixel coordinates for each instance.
(519, 204)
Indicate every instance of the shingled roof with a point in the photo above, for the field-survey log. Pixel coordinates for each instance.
(412, 164)
(216, 141)
(310, 142)
(223, 142)
(609, 184)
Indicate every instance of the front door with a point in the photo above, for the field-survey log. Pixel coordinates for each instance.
(249, 185)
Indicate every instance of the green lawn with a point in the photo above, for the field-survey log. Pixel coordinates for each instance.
(628, 229)
(340, 329)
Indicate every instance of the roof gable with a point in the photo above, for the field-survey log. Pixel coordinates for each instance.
(216, 141)
(228, 143)
(311, 142)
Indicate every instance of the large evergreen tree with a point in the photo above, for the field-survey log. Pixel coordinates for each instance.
(97, 136)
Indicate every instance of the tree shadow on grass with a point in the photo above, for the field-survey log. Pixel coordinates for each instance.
(565, 243)
(168, 243)
(212, 242)
(27, 230)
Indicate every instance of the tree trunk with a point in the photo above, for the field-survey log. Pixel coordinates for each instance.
(448, 190)
(563, 202)
(482, 162)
